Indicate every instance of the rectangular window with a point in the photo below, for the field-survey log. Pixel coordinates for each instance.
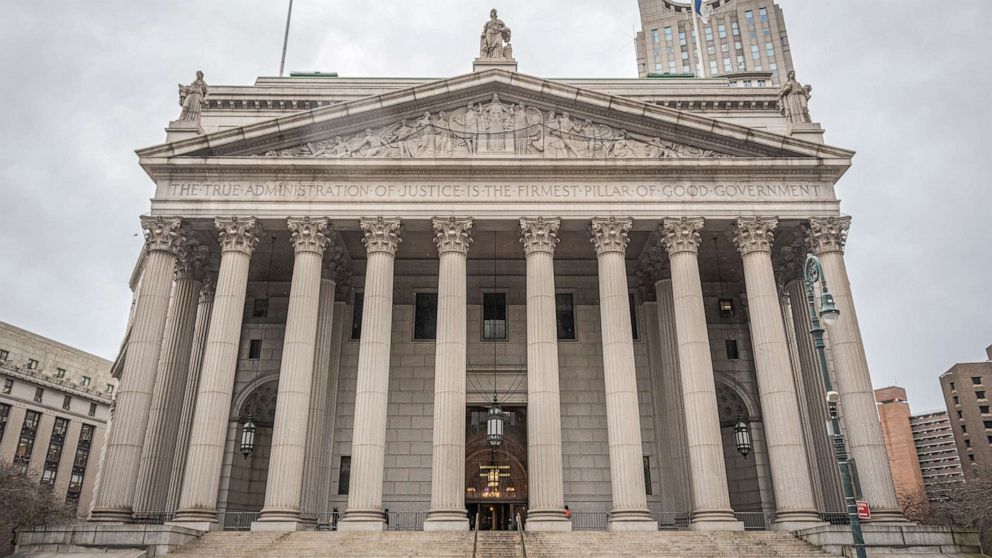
(4, 355)
(54, 455)
(727, 66)
(733, 353)
(647, 474)
(254, 349)
(957, 400)
(344, 476)
(494, 316)
(967, 443)
(708, 33)
(668, 34)
(722, 31)
(713, 69)
(770, 50)
(425, 316)
(32, 364)
(964, 428)
(984, 409)
(655, 38)
(87, 381)
(356, 316)
(92, 412)
(755, 53)
(4, 417)
(67, 402)
(26, 442)
(988, 425)
(682, 39)
(671, 66)
(79, 465)
(749, 17)
(109, 389)
(8, 385)
(39, 393)
(980, 395)
(565, 316)
(975, 381)
(735, 29)
(634, 330)
(952, 386)
(763, 15)
(60, 372)
(260, 308)
(960, 415)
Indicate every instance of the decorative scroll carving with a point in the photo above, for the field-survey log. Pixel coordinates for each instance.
(754, 234)
(794, 101)
(827, 234)
(165, 234)
(237, 234)
(495, 40)
(453, 235)
(193, 98)
(610, 234)
(494, 129)
(539, 235)
(310, 235)
(382, 235)
(191, 260)
(681, 235)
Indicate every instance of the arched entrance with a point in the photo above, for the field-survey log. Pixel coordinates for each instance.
(246, 491)
(743, 477)
(496, 481)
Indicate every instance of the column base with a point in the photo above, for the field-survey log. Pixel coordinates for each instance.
(547, 521)
(111, 515)
(362, 520)
(201, 520)
(631, 520)
(888, 517)
(446, 521)
(715, 521)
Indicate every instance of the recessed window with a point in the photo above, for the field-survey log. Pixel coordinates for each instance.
(32, 364)
(980, 395)
(92, 412)
(964, 428)
(60, 372)
(8, 385)
(38, 394)
(494, 316)
(66, 402)
(4, 355)
(87, 381)
(54, 455)
(254, 349)
(733, 353)
(953, 388)
(565, 316)
(967, 443)
(960, 415)
(988, 424)
(976, 380)
(634, 330)
(4, 417)
(647, 474)
(356, 316)
(109, 388)
(260, 308)
(344, 475)
(971, 457)
(726, 308)
(425, 317)
(984, 409)
(26, 442)
(957, 400)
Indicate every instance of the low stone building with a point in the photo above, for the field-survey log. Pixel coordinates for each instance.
(55, 402)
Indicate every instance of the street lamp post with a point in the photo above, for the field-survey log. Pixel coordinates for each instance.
(812, 274)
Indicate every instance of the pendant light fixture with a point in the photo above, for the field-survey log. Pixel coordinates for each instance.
(249, 428)
(742, 430)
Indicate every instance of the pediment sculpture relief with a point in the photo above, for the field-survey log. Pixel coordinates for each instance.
(496, 129)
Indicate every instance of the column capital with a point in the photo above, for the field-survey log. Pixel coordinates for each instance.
(539, 235)
(382, 235)
(681, 234)
(164, 234)
(191, 260)
(754, 234)
(237, 234)
(309, 235)
(610, 234)
(827, 234)
(453, 235)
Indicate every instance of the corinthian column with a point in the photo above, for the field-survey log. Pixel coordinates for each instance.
(711, 509)
(674, 410)
(201, 481)
(170, 383)
(122, 457)
(453, 238)
(545, 481)
(368, 446)
(826, 238)
(203, 310)
(795, 507)
(630, 505)
(289, 433)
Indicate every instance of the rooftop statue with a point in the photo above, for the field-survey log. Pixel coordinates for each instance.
(494, 34)
(192, 97)
(794, 101)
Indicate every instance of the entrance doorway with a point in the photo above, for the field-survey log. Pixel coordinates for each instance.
(496, 478)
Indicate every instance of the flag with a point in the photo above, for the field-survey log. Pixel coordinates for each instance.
(704, 12)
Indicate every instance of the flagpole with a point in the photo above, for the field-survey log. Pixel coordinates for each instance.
(285, 40)
(699, 42)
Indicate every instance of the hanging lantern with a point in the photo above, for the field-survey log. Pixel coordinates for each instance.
(494, 425)
(742, 433)
(248, 437)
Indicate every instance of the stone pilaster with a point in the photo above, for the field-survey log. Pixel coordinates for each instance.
(203, 311)
(201, 479)
(283, 488)
(164, 237)
(826, 238)
(794, 504)
(364, 513)
(170, 383)
(453, 237)
(711, 509)
(544, 462)
(630, 507)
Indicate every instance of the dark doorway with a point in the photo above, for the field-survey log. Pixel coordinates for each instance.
(496, 478)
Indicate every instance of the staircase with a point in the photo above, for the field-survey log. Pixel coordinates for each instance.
(500, 545)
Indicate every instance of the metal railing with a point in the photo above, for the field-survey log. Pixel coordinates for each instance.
(753, 521)
(520, 530)
(328, 521)
(475, 540)
(152, 518)
(672, 521)
(238, 521)
(590, 521)
(835, 518)
(405, 521)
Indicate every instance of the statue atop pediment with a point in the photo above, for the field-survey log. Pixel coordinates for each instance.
(192, 97)
(794, 101)
(495, 40)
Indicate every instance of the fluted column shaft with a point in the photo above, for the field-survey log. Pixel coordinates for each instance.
(453, 238)
(318, 437)
(368, 446)
(675, 441)
(170, 383)
(546, 491)
(199, 343)
(201, 479)
(857, 399)
(710, 495)
(794, 504)
(289, 432)
(122, 458)
(630, 506)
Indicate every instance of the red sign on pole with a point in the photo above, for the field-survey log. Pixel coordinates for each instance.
(864, 510)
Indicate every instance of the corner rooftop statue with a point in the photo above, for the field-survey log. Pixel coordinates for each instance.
(495, 50)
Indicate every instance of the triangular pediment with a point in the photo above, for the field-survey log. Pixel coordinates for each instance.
(490, 115)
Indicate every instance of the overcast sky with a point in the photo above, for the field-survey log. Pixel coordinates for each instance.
(904, 82)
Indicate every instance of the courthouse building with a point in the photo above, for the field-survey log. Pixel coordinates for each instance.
(363, 270)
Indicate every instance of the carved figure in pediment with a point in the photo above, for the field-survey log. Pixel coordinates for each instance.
(572, 137)
(371, 146)
(495, 39)
(621, 148)
(442, 135)
(794, 100)
(192, 97)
